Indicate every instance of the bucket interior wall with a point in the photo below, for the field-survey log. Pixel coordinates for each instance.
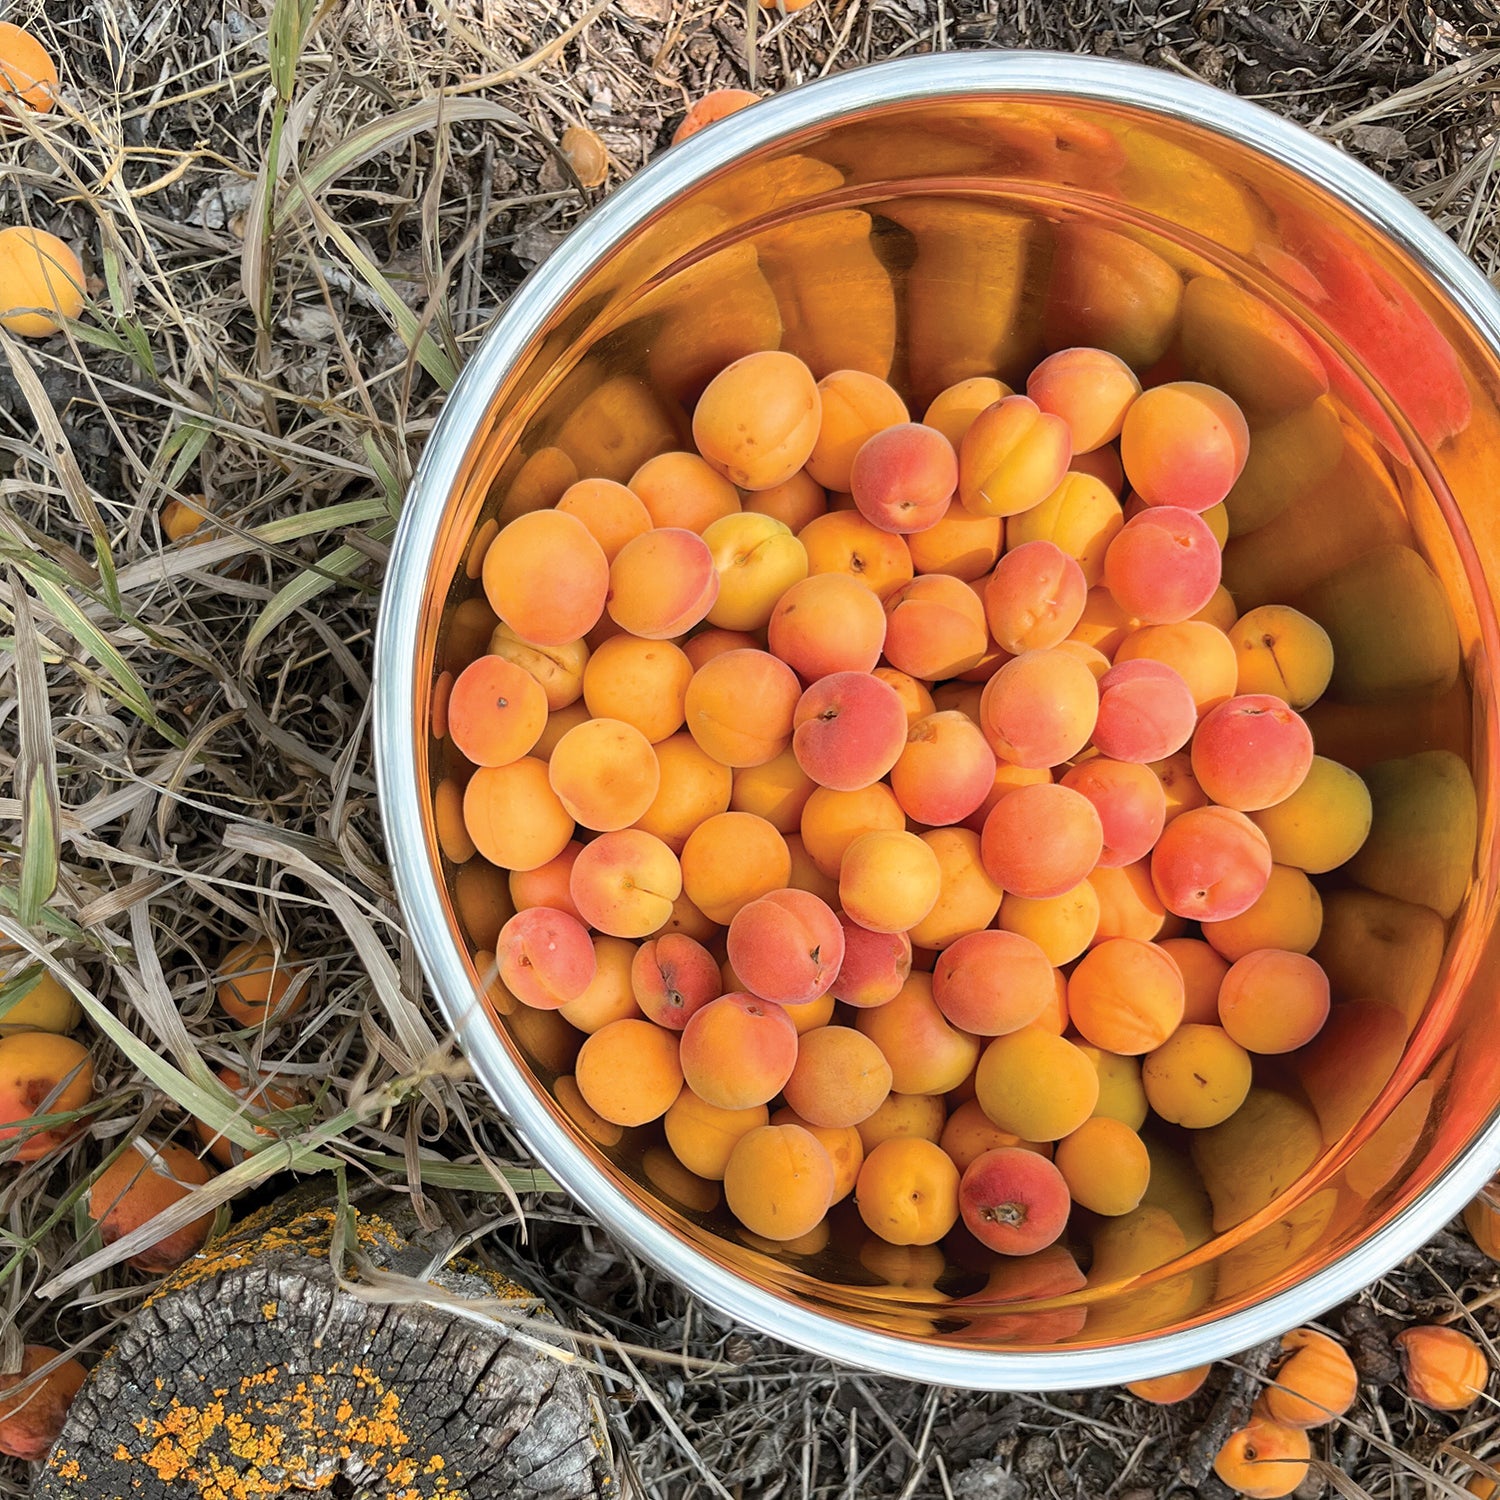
(931, 243)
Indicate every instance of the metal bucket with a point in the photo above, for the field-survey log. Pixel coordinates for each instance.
(947, 216)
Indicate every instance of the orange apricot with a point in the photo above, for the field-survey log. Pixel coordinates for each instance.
(907, 1192)
(1444, 1368)
(1034, 597)
(559, 669)
(1041, 841)
(41, 277)
(1105, 1166)
(1251, 752)
(990, 982)
(1203, 969)
(875, 966)
(643, 683)
(904, 478)
(1184, 444)
(845, 542)
(1126, 996)
(1129, 906)
(140, 1183)
(663, 583)
(1163, 566)
(1200, 653)
(702, 1135)
(546, 577)
(841, 1077)
(800, 500)
(832, 820)
(605, 774)
(1314, 1383)
(738, 1051)
(968, 895)
(776, 790)
(612, 513)
(1012, 457)
(779, 1181)
(1210, 863)
(599, 1130)
(41, 1074)
(740, 707)
(958, 543)
(624, 883)
(514, 817)
(952, 411)
(854, 406)
(888, 881)
(629, 1072)
(1090, 389)
(28, 77)
(825, 624)
(945, 770)
(935, 627)
(1168, 1390)
(758, 420)
(969, 1133)
(260, 1097)
(1061, 926)
(1081, 517)
(1036, 1085)
(730, 860)
(255, 983)
(681, 491)
(1263, 1460)
(1288, 914)
(610, 994)
(1282, 652)
(448, 821)
(927, 1054)
(1039, 709)
(712, 107)
(34, 1406)
(693, 787)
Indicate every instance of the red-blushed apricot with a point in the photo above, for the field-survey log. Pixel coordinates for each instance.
(559, 669)
(1012, 457)
(641, 683)
(1263, 1460)
(1061, 926)
(1036, 1085)
(629, 1072)
(1102, 464)
(826, 624)
(959, 543)
(875, 966)
(610, 995)
(969, 1133)
(1129, 905)
(842, 1143)
(546, 577)
(257, 983)
(1008, 778)
(841, 1077)
(1146, 712)
(1081, 516)
(848, 730)
(545, 957)
(624, 883)
(1090, 389)
(915, 698)
(1131, 804)
(548, 884)
(1178, 784)
(1198, 1077)
(1203, 970)
(934, 627)
(605, 774)
(662, 584)
(853, 407)
(786, 946)
(496, 711)
(1321, 825)
(1121, 1094)
(1444, 1368)
(1168, 1390)
(1184, 444)
(1054, 1018)
(1126, 996)
(945, 770)
(1039, 709)
(1280, 651)
(832, 820)
(702, 1135)
(1210, 863)
(969, 896)
(707, 644)
(140, 1183)
(259, 1097)
(927, 1054)
(33, 1406)
(572, 1103)
(514, 817)
(952, 411)
(904, 477)
(1198, 652)
(796, 502)
(680, 490)
(990, 983)
(740, 707)
(776, 790)
(1104, 1165)
(1251, 752)
(612, 513)
(1313, 1383)
(907, 1191)
(757, 559)
(1272, 1001)
(1013, 1201)
(889, 881)
(1034, 597)
(844, 542)
(672, 977)
(1163, 566)
(738, 1051)
(901, 1116)
(712, 107)
(1288, 914)
(693, 787)
(730, 860)
(1041, 840)
(757, 422)
(1103, 624)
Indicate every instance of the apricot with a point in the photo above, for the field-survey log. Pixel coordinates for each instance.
(1130, 802)
(1324, 823)
(610, 995)
(826, 624)
(758, 420)
(952, 411)
(934, 627)
(496, 711)
(662, 584)
(903, 1115)
(605, 773)
(1288, 914)
(990, 983)
(1163, 566)
(779, 1181)
(1061, 926)
(1041, 841)
(681, 491)
(786, 947)
(1210, 863)
(969, 1133)
(1104, 1166)
(36, 1000)
(1129, 1245)
(1380, 947)
(1126, 996)
(1282, 652)
(1200, 653)
(1183, 445)
(1221, 611)
(907, 1192)
(572, 1103)
(841, 1078)
(712, 107)
(706, 644)
(1103, 624)
(811, 1015)
(730, 860)
(1129, 905)
(702, 1136)
(1444, 1368)
(671, 978)
(41, 279)
(1198, 1077)
(927, 1054)
(41, 1074)
(1090, 389)
(842, 1143)
(28, 80)
(777, 790)
(1272, 1001)
(612, 513)
(692, 788)
(738, 1051)
(1013, 456)
(547, 578)
(1314, 1382)
(875, 966)
(889, 881)
(845, 542)
(904, 477)
(1168, 1390)
(1203, 969)
(945, 770)
(853, 407)
(757, 559)
(1013, 1201)
(1102, 464)
(959, 544)
(1178, 784)
(1251, 752)
(257, 983)
(914, 696)
(545, 958)
(1039, 709)
(1081, 517)
(482, 901)
(514, 817)
(1109, 291)
(140, 1183)
(1122, 1096)
(832, 820)
(34, 1406)
(1036, 1085)
(968, 895)
(639, 682)
(559, 669)
(740, 707)
(1263, 1460)
(1034, 598)
(624, 883)
(849, 728)
(629, 1072)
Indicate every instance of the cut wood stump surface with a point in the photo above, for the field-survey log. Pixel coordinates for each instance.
(253, 1373)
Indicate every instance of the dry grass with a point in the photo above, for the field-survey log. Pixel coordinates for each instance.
(298, 220)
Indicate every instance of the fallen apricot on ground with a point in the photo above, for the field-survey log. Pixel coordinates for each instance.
(1444, 1368)
(32, 1408)
(140, 1183)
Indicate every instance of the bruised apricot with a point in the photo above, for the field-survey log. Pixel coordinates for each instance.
(1314, 1382)
(41, 1074)
(140, 1183)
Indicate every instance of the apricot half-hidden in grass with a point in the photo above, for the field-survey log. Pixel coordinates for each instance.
(41, 281)
(33, 1405)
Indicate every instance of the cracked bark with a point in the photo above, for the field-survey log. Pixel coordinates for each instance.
(252, 1373)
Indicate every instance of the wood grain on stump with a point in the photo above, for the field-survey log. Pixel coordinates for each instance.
(251, 1373)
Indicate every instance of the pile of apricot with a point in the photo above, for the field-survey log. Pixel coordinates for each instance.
(892, 809)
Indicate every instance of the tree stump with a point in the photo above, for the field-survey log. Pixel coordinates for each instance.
(252, 1373)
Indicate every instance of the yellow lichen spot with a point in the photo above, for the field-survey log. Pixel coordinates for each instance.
(268, 1310)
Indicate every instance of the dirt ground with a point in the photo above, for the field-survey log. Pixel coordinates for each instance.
(184, 725)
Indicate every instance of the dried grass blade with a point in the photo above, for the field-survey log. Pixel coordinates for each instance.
(36, 766)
